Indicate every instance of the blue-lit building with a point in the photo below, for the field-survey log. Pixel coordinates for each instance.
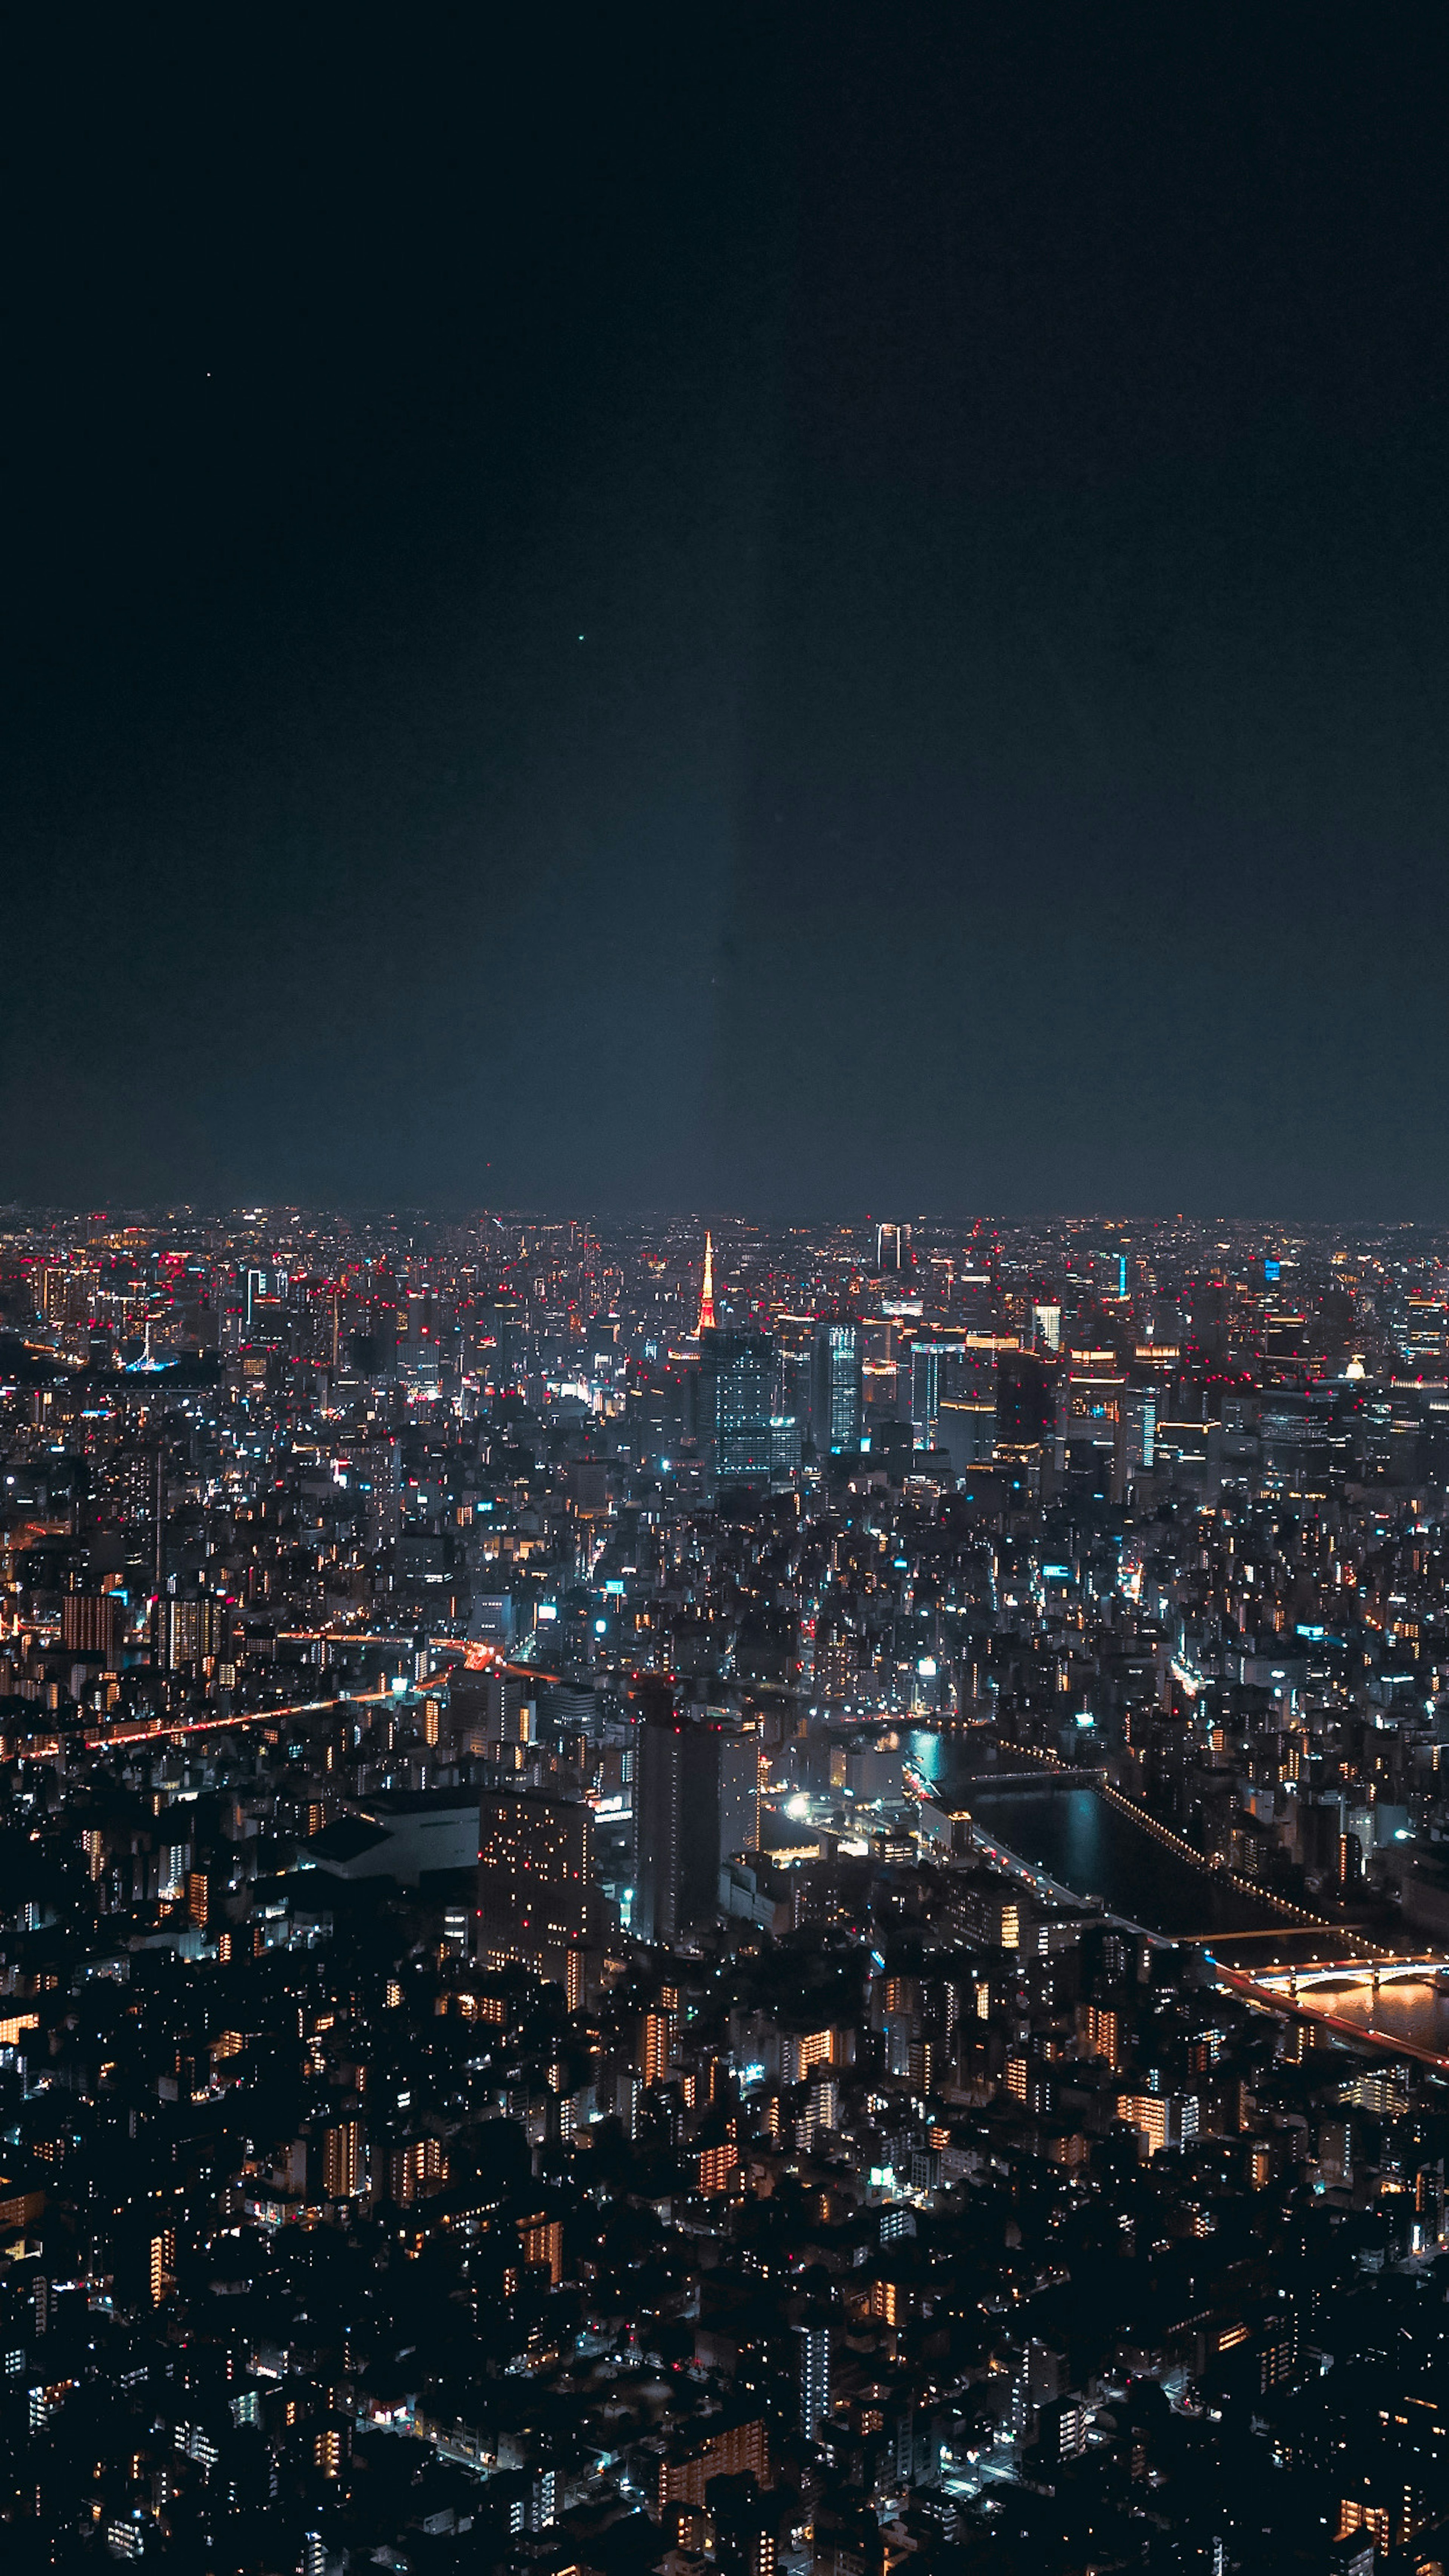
(836, 1400)
(736, 1406)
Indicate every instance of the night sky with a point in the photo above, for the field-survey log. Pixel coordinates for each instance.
(792, 610)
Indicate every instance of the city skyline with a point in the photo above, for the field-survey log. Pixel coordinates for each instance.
(724, 1294)
(728, 1900)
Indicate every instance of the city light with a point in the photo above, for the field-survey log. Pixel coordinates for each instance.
(522, 1874)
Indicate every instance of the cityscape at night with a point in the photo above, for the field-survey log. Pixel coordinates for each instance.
(724, 1292)
(694, 1896)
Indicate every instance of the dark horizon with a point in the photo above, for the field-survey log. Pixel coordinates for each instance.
(844, 609)
(1271, 1223)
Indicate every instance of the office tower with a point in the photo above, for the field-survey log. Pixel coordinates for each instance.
(739, 1793)
(1286, 1348)
(676, 1829)
(143, 1504)
(925, 1392)
(534, 1882)
(497, 1343)
(836, 1403)
(1025, 1402)
(937, 1375)
(696, 1801)
(1208, 1329)
(790, 1422)
(420, 1358)
(1047, 1327)
(736, 1406)
(786, 1442)
(498, 1706)
(812, 2347)
(893, 1248)
(966, 1430)
(1136, 1431)
(975, 1300)
(966, 1408)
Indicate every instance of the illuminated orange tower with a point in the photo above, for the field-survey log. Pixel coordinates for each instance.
(706, 1293)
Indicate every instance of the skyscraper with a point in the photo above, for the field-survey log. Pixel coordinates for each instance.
(736, 1405)
(534, 1883)
(936, 1378)
(696, 1801)
(1024, 1402)
(835, 1389)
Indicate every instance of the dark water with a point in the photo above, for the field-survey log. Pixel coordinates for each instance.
(1404, 2008)
(1090, 1846)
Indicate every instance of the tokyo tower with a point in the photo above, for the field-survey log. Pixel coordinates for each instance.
(706, 1293)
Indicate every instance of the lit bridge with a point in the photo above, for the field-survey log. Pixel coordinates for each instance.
(1399, 2005)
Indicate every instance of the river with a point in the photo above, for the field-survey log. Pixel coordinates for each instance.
(1078, 1838)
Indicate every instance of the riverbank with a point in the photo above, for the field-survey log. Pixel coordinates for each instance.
(1096, 1846)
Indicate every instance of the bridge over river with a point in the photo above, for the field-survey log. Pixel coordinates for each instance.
(1400, 2005)
(1072, 1836)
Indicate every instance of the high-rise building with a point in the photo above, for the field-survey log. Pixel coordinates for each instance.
(541, 2243)
(739, 1792)
(342, 2160)
(736, 1406)
(415, 2170)
(812, 2345)
(790, 1421)
(937, 1375)
(190, 1628)
(676, 1834)
(377, 1473)
(737, 2447)
(966, 1430)
(656, 2046)
(143, 1501)
(1025, 1402)
(90, 1624)
(1136, 1430)
(836, 1400)
(1046, 1321)
(535, 1892)
(696, 1803)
